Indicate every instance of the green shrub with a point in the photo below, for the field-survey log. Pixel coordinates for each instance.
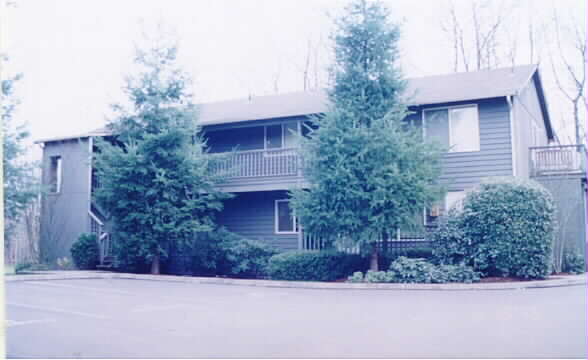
(406, 270)
(357, 277)
(314, 265)
(246, 258)
(455, 273)
(389, 256)
(84, 252)
(208, 254)
(378, 277)
(504, 229)
(573, 262)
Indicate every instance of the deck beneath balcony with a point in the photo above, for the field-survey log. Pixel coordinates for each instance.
(557, 160)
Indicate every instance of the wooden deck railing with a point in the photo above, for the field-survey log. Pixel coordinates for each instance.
(557, 159)
(259, 163)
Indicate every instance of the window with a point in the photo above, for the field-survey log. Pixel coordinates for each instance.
(457, 128)
(281, 136)
(453, 198)
(286, 222)
(55, 174)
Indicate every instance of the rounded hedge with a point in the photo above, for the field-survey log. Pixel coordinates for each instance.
(504, 229)
(314, 265)
(85, 252)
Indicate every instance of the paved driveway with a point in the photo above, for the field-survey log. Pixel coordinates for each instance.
(136, 318)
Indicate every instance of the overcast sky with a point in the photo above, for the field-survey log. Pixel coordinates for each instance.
(74, 53)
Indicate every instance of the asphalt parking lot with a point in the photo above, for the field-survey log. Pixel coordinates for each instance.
(122, 318)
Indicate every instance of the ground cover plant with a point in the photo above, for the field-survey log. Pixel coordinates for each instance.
(407, 270)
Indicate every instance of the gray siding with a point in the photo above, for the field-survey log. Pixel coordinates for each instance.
(251, 215)
(465, 170)
(64, 215)
(526, 112)
(570, 199)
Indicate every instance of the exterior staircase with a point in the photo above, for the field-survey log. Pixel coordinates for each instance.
(98, 228)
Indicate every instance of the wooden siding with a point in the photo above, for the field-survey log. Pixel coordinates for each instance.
(526, 112)
(251, 215)
(465, 170)
(64, 215)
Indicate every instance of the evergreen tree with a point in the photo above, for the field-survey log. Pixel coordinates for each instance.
(370, 172)
(20, 184)
(155, 178)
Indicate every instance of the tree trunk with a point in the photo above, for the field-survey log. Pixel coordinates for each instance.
(155, 265)
(374, 258)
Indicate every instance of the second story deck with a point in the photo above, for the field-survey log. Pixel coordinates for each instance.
(569, 160)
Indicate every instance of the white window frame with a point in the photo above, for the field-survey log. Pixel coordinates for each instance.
(276, 218)
(449, 128)
(58, 173)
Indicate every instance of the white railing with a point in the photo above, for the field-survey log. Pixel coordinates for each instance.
(258, 163)
(557, 159)
(97, 228)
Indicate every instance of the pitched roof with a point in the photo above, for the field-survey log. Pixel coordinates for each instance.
(427, 90)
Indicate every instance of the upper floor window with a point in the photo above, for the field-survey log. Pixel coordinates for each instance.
(281, 136)
(55, 174)
(458, 128)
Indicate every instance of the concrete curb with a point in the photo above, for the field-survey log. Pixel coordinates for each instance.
(556, 281)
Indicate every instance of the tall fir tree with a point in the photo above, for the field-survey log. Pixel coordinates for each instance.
(370, 172)
(155, 176)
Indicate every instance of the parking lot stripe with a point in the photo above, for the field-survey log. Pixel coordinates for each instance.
(11, 323)
(63, 311)
(107, 291)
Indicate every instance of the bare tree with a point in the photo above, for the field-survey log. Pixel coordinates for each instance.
(570, 75)
(477, 35)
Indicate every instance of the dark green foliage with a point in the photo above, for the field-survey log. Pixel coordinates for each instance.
(314, 265)
(455, 273)
(246, 258)
(208, 252)
(505, 229)
(155, 176)
(388, 257)
(573, 262)
(20, 183)
(223, 253)
(369, 173)
(85, 252)
(406, 270)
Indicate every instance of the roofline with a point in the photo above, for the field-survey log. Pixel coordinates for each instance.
(63, 138)
(543, 104)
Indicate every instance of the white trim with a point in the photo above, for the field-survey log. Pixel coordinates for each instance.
(276, 217)
(513, 132)
(448, 108)
(90, 165)
(95, 218)
(58, 171)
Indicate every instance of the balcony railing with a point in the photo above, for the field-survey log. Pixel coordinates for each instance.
(557, 159)
(259, 163)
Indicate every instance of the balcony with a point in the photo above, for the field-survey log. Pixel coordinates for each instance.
(271, 169)
(557, 160)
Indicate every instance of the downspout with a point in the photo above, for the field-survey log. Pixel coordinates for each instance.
(90, 158)
(513, 148)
